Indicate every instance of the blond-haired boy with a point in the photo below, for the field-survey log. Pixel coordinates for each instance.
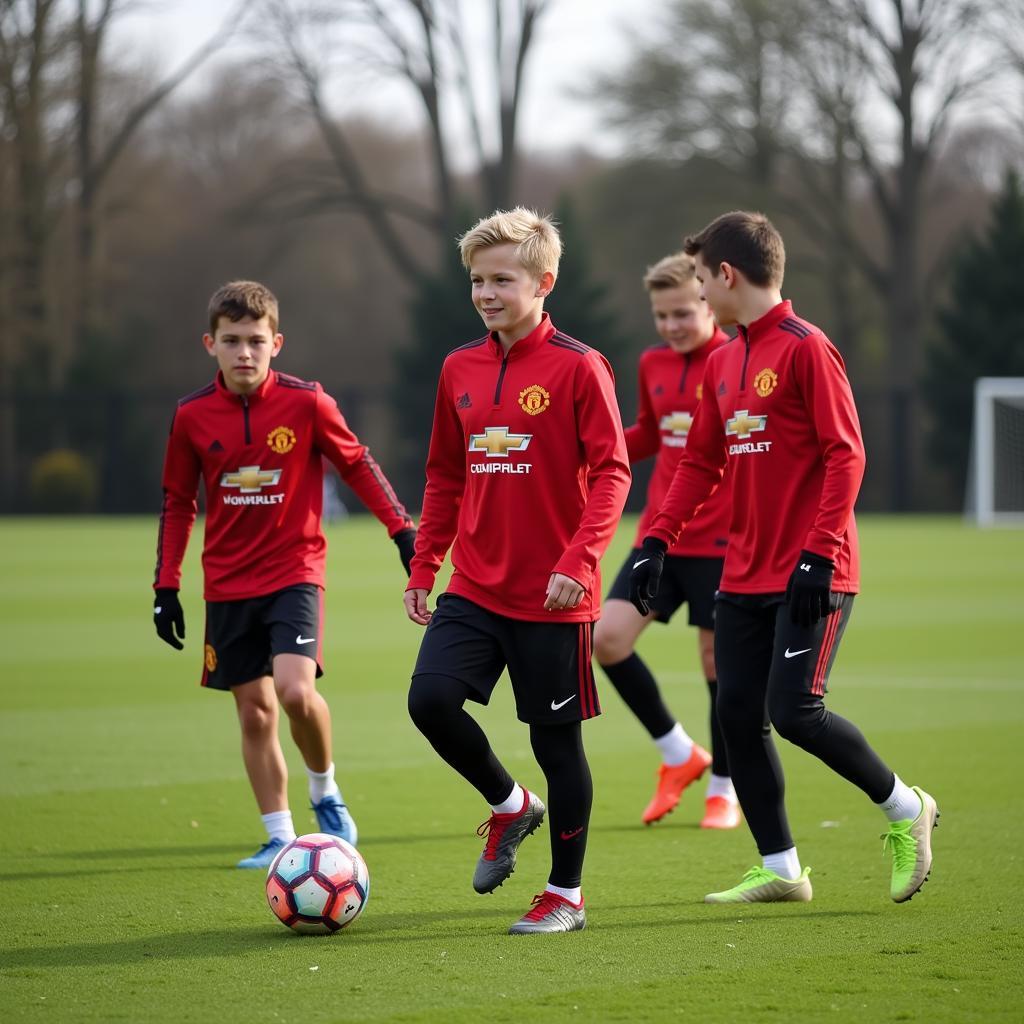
(527, 474)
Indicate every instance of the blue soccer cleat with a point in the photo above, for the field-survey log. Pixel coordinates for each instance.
(333, 818)
(264, 856)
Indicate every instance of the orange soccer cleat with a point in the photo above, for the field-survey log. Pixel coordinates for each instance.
(720, 812)
(672, 780)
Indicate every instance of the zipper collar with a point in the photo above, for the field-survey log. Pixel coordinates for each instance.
(537, 337)
(256, 396)
(766, 324)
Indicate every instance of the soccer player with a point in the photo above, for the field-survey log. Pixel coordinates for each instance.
(778, 410)
(527, 473)
(670, 380)
(256, 437)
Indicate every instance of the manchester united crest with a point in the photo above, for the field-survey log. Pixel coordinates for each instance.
(534, 399)
(765, 382)
(210, 657)
(281, 440)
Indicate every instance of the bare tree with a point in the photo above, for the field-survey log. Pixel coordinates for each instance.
(423, 44)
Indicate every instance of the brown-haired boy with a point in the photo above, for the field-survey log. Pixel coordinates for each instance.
(527, 475)
(777, 409)
(670, 378)
(257, 438)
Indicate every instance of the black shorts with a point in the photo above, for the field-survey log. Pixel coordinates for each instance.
(242, 637)
(757, 642)
(685, 579)
(548, 662)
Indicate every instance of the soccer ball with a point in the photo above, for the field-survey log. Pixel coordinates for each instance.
(318, 884)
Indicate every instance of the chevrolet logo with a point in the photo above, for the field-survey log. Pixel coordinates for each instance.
(743, 424)
(251, 479)
(677, 422)
(498, 442)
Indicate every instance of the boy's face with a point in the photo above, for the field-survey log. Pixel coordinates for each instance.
(718, 292)
(506, 295)
(243, 350)
(681, 317)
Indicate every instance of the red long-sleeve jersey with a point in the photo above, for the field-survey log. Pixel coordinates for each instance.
(259, 457)
(527, 473)
(777, 408)
(670, 387)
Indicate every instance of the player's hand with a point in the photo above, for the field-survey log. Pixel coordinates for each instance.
(406, 542)
(169, 618)
(416, 606)
(645, 578)
(809, 589)
(562, 592)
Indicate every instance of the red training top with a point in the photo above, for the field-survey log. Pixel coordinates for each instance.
(527, 473)
(260, 459)
(777, 408)
(670, 388)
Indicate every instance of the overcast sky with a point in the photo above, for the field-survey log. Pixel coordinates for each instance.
(574, 38)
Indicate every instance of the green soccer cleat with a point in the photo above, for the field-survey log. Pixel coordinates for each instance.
(760, 885)
(911, 846)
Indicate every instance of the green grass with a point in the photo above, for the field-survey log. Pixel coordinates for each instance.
(124, 805)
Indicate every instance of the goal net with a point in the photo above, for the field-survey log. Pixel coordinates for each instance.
(995, 478)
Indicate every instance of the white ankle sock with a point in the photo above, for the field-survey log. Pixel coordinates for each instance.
(721, 785)
(902, 803)
(513, 803)
(786, 864)
(572, 895)
(322, 784)
(279, 825)
(675, 746)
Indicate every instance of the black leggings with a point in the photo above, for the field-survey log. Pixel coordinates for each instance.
(436, 707)
(773, 673)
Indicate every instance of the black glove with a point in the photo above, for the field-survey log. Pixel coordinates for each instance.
(646, 574)
(809, 589)
(169, 618)
(406, 541)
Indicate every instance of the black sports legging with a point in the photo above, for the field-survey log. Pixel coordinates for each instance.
(769, 674)
(436, 707)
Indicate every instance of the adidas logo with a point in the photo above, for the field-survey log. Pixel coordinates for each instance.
(463, 401)
(721, 387)
(216, 447)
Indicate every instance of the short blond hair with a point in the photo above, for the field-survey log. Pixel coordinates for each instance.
(671, 272)
(535, 236)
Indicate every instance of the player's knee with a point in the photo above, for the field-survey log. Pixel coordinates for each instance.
(799, 723)
(432, 699)
(610, 645)
(737, 720)
(257, 717)
(297, 699)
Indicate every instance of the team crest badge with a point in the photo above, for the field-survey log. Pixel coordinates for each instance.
(534, 399)
(210, 657)
(765, 382)
(281, 440)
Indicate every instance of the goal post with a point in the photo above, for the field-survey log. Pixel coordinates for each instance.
(995, 480)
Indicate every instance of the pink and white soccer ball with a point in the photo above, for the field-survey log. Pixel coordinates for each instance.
(318, 884)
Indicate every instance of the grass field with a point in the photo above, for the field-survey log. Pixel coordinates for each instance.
(124, 806)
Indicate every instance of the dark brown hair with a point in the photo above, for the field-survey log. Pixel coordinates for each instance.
(748, 241)
(239, 299)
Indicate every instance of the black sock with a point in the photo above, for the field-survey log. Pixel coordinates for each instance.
(719, 757)
(435, 706)
(559, 752)
(637, 687)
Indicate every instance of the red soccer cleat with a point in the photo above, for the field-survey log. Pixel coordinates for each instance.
(672, 780)
(720, 812)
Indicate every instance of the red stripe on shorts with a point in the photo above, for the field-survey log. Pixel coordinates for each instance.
(827, 643)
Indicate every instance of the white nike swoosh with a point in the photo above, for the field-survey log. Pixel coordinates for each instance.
(636, 565)
(793, 654)
(300, 639)
(555, 707)
(157, 610)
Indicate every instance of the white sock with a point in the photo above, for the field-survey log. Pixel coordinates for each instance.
(721, 785)
(572, 895)
(675, 746)
(786, 864)
(279, 825)
(902, 803)
(322, 784)
(513, 803)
